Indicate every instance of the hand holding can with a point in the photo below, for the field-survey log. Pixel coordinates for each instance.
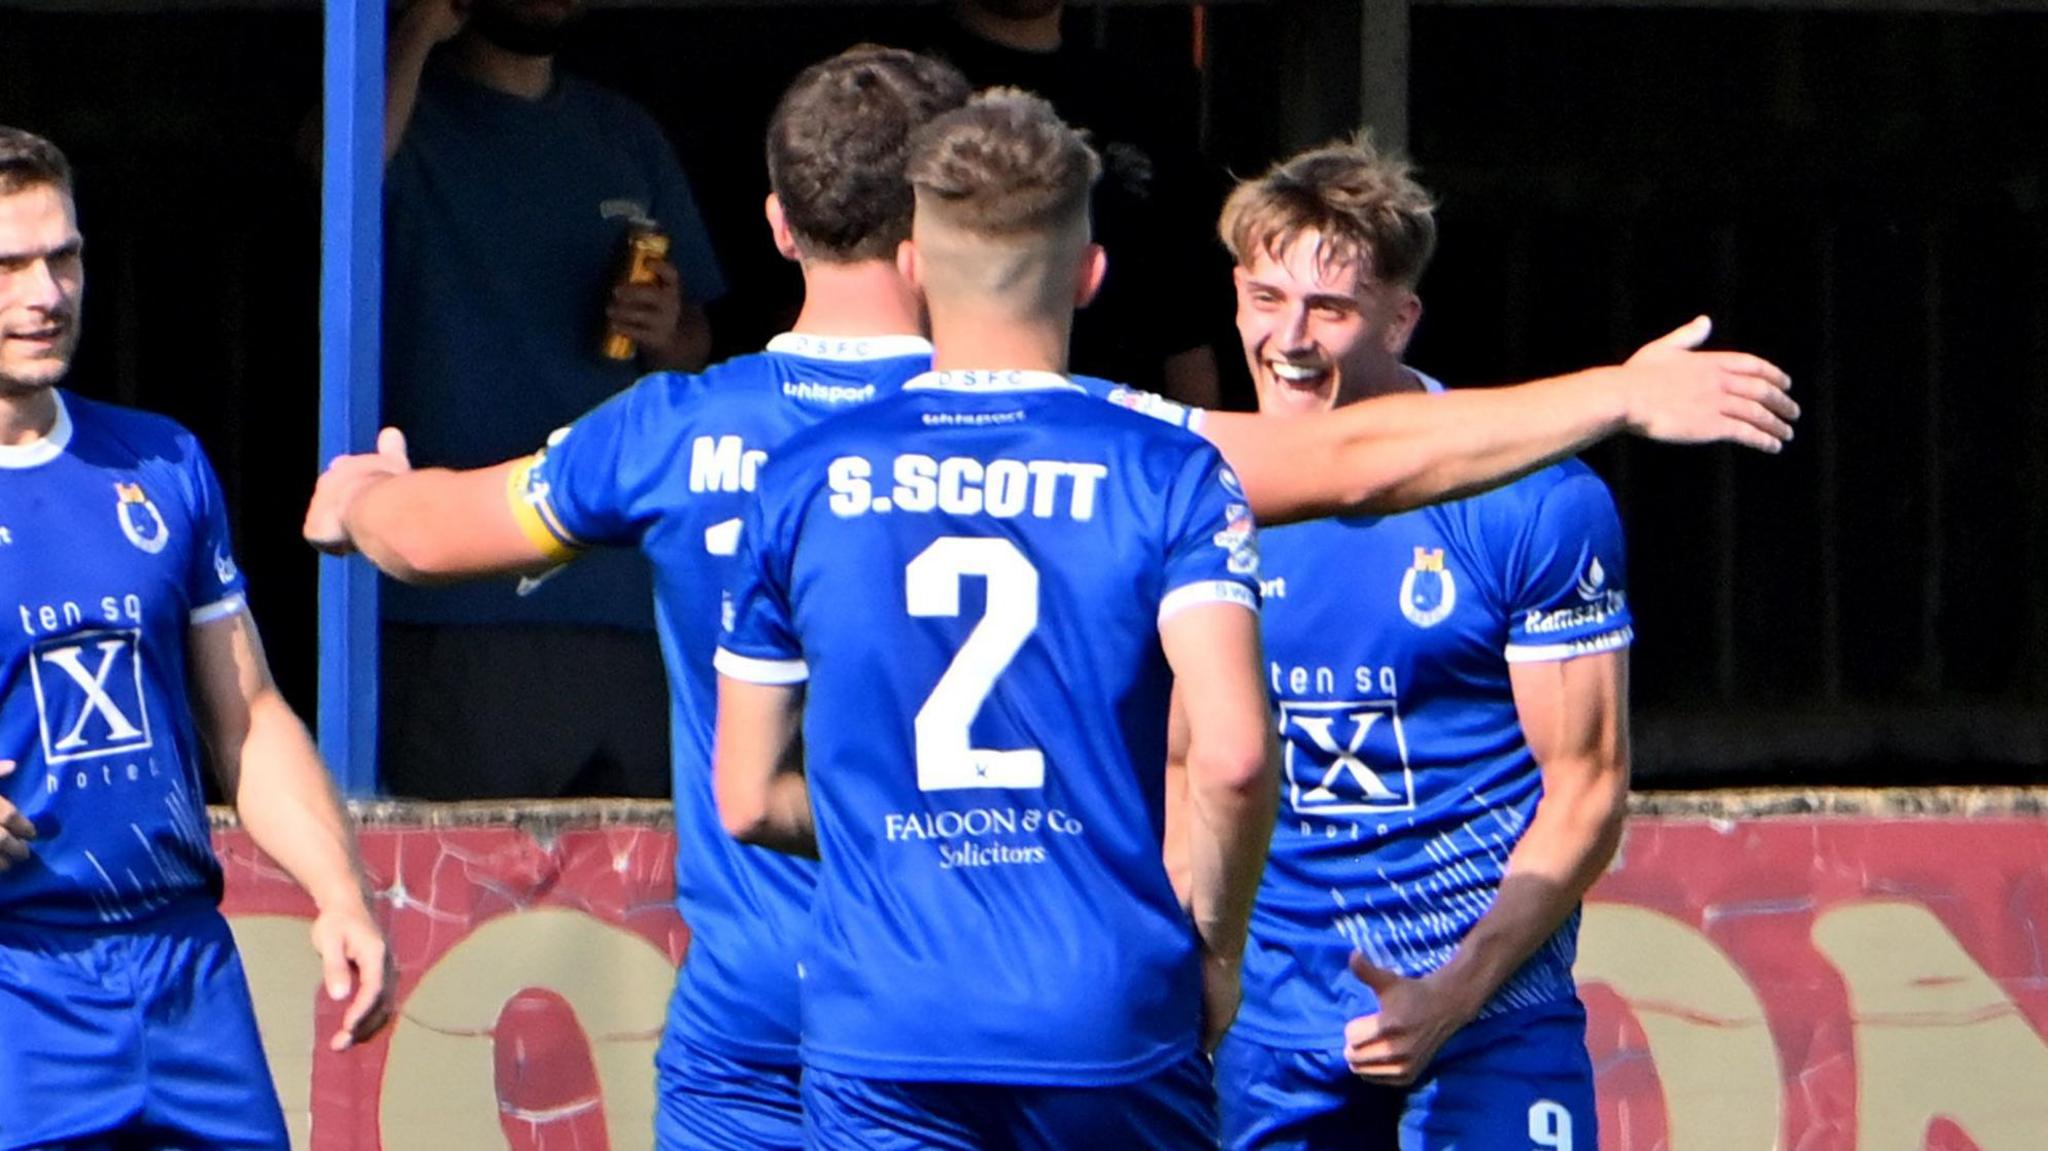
(646, 246)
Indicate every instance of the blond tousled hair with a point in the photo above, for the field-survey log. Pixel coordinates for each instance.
(1363, 203)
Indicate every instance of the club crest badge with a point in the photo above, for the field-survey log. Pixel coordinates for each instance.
(140, 521)
(1428, 590)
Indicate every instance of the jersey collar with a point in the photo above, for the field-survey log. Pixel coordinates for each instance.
(982, 381)
(850, 348)
(40, 452)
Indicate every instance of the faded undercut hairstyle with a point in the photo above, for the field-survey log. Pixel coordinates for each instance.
(838, 143)
(28, 161)
(1365, 204)
(1005, 166)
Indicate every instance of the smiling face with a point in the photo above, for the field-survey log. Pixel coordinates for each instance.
(42, 282)
(1319, 330)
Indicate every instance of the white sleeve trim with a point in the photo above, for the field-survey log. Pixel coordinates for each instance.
(219, 609)
(767, 671)
(1591, 645)
(1207, 591)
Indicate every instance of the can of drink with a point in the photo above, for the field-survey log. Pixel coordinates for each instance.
(646, 245)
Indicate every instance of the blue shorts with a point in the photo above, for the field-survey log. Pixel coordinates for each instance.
(1519, 1081)
(134, 1036)
(1172, 1110)
(710, 1101)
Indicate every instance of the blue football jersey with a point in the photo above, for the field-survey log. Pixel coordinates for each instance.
(113, 546)
(669, 466)
(970, 579)
(1406, 779)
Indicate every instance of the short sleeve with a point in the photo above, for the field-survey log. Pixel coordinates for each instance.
(1567, 580)
(597, 481)
(1212, 550)
(1143, 402)
(214, 585)
(758, 641)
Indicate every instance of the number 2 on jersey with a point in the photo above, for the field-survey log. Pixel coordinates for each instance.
(946, 757)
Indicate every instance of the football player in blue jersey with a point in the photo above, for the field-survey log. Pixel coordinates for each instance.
(125, 1018)
(666, 467)
(1451, 691)
(974, 599)
(839, 207)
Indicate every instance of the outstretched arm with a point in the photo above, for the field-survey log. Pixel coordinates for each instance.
(434, 525)
(1393, 453)
(269, 770)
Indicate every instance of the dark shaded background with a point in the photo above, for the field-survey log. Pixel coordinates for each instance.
(1857, 196)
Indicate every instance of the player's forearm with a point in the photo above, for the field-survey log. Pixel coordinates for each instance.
(1566, 848)
(783, 820)
(1421, 449)
(287, 804)
(1174, 849)
(435, 525)
(1233, 800)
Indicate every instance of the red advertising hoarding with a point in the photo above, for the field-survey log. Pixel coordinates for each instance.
(1807, 983)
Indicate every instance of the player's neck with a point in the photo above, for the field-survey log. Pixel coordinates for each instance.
(1400, 380)
(527, 77)
(1026, 34)
(863, 298)
(27, 416)
(965, 340)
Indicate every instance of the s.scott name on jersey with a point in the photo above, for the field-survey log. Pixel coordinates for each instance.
(965, 486)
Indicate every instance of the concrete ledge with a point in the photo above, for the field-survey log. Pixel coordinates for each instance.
(546, 816)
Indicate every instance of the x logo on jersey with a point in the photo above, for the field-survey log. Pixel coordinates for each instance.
(94, 696)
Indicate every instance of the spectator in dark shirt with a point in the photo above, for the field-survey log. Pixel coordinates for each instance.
(509, 190)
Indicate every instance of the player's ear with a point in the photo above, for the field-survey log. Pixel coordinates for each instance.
(1094, 266)
(1407, 314)
(907, 264)
(778, 227)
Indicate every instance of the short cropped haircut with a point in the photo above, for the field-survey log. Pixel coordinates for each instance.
(27, 161)
(839, 140)
(1365, 204)
(1004, 165)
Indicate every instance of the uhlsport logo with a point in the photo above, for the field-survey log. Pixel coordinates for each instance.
(140, 521)
(1346, 758)
(1428, 590)
(89, 695)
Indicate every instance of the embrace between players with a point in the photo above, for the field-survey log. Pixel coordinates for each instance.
(939, 612)
(983, 830)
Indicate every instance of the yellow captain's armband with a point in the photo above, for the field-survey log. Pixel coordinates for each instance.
(527, 494)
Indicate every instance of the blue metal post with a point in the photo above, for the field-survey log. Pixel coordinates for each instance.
(351, 287)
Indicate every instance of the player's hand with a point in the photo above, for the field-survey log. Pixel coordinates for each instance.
(1222, 991)
(357, 965)
(421, 24)
(1415, 1018)
(345, 479)
(1682, 395)
(16, 832)
(651, 314)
